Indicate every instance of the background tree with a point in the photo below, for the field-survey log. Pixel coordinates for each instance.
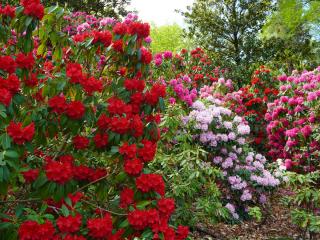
(169, 37)
(110, 8)
(291, 35)
(229, 30)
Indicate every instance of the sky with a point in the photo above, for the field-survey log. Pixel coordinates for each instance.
(160, 12)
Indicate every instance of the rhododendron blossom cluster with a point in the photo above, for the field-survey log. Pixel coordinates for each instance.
(76, 139)
(225, 136)
(293, 120)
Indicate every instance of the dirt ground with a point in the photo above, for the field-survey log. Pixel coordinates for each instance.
(276, 226)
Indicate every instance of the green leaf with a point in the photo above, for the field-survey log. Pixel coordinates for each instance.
(65, 210)
(124, 224)
(141, 205)
(41, 180)
(28, 21)
(11, 154)
(6, 141)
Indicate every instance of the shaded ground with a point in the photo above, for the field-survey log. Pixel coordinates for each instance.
(276, 226)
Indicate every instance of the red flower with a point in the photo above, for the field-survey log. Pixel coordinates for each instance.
(75, 110)
(5, 97)
(126, 197)
(91, 85)
(150, 182)
(182, 233)
(134, 84)
(137, 126)
(146, 56)
(69, 224)
(58, 104)
(104, 37)
(133, 167)
(74, 72)
(74, 237)
(118, 45)
(7, 64)
(31, 230)
(25, 61)
(12, 83)
(33, 8)
(100, 227)
(120, 29)
(59, 172)
(82, 173)
(166, 206)
(120, 125)
(148, 151)
(32, 80)
(129, 151)
(101, 140)
(80, 142)
(157, 91)
(116, 106)
(103, 122)
(30, 175)
(19, 134)
(141, 29)
(141, 219)
(8, 11)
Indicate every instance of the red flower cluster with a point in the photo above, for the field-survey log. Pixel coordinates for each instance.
(101, 140)
(20, 135)
(141, 29)
(30, 175)
(75, 110)
(74, 72)
(100, 227)
(12, 84)
(126, 197)
(141, 219)
(118, 45)
(148, 151)
(91, 85)
(32, 80)
(5, 96)
(58, 104)
(133, 167)
(134, 85)
(31, 230)
(153, 95)
(7, 64)
(150, 182)
(104, 37)
(69, 224)
(80, 142)
(128, 151)
(33, 8)
(120, 125)
(146, 55)
(166, 206)
(59, 171)
(120, 29)
(25, 61)
(8, 11)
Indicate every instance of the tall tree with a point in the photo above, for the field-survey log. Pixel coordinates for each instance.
(169, 37)
(291, 32)
(110, 8)
(229, 29)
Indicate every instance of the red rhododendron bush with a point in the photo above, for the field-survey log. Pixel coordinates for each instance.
(251, 102)
(76, 135)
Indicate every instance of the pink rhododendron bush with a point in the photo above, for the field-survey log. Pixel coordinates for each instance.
(293, 122)
(78, 128)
